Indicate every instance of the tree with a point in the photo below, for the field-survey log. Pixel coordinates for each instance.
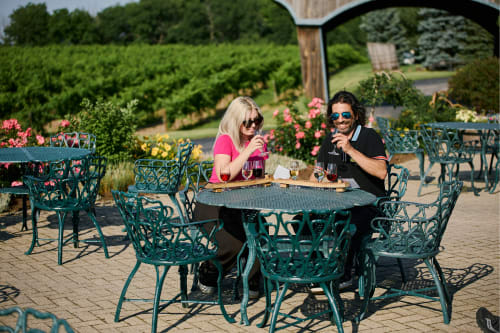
(442, 38)
(349, 33)
(29, 25)
(384, 26)
(113, 26)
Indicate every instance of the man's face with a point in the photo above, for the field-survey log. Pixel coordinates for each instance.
(344, 125)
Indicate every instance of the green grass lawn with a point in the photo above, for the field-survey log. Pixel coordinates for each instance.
(346, 79)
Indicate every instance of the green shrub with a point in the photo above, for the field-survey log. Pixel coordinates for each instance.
(476, 85)
(114, 127)
(341, 56)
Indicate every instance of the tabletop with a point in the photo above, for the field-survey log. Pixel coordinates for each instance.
(40, 154)
(466, 126)
(290, 198)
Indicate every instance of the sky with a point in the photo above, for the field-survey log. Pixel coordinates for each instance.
(91, 6)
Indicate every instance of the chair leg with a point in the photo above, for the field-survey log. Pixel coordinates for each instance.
(61, 217)
(424, 177)
(335, 306)
(267, 292)
(277, 304)
(99, 231)
(402, 270)
(219, 293)
(183, 272)
(443, 297)
(34, 239)
(156, 302)
(366, 283)
(76, 222)
(474, 189)
(124, 290)
(25, 213)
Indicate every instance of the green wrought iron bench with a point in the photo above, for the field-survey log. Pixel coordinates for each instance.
(287, 256)
(162, 176)
(23, 319)
(447, 148)
(68, 186)
(160, 240)
(415, 232)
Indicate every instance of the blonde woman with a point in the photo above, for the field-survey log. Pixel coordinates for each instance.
(237, 141)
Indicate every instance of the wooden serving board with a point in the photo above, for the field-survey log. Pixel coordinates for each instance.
(338, 185)
(241, 183)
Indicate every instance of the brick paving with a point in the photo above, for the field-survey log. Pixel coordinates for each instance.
(85, 289)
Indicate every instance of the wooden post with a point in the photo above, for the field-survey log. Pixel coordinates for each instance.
(314, 62)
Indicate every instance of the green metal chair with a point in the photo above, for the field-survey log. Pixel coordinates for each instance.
(23, 316)
(415, 232)
(405, 142)
(74, 140)
(287, 257)
(446, 147)
(68, 186)
(384, 124)
(162, 176)
(160, 240)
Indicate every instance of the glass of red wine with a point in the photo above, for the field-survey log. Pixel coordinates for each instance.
(258, 169)
(225, 173)
(331, 172)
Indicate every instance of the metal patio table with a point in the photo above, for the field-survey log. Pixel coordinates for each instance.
(278, 198)
(39, 154)
(484, 130)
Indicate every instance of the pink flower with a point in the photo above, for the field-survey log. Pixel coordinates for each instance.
(315, 150)
(65, 123)
(3, 144)
(5, 165)
(308, 124)
(40, 139)
(313, 113)
(281, 149)
(16, 183)
(316, 103)
(300, 135)
(297, 127)
(371, 119)
(266, 138)
(318, 134)
(276, 112)
(323, 125)
(288, 118)
(297, 145)
(11, 124)
(286, 111)
(271, 132)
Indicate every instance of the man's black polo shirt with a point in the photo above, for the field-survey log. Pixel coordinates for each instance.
(368, 142)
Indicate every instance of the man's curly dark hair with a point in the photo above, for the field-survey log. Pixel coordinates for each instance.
(348, 98)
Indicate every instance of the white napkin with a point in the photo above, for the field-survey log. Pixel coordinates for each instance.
(351, 182)
(281, 173)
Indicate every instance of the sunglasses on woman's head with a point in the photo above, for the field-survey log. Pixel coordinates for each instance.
(257, 121)
(336, 115)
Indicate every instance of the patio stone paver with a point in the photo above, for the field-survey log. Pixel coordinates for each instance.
(85, 289)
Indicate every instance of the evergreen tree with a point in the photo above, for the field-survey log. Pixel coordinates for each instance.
(384, 26)
(442, 38)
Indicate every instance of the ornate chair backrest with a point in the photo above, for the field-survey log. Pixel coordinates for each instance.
(287, 252)
(162, 176)
(157, 235)
(444, 145)
(198, 175)
(401, 142)
(415, 230)
(68, 184)
(23, 316)
(74, 140)
(397, 181)
(384, 124)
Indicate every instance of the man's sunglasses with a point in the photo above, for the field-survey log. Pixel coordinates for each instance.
(257, 121)
(336, 115)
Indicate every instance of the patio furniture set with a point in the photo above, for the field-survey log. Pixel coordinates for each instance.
(165, 235)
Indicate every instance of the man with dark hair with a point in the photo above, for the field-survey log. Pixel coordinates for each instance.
(359, 154)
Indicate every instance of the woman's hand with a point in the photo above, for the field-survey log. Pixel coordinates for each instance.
(257, 142)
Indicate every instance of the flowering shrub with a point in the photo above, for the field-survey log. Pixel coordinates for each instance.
(467, 116)
(160, 146)
(12, 135)
(299, 135)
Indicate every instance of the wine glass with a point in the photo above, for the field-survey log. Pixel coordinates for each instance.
(294, 169)
(319, 171)
(258, 168)
(334, 151)
(331, 172)
(247, 171)
(225, 173)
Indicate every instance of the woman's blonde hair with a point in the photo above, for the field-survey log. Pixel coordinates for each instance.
(238, 111)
